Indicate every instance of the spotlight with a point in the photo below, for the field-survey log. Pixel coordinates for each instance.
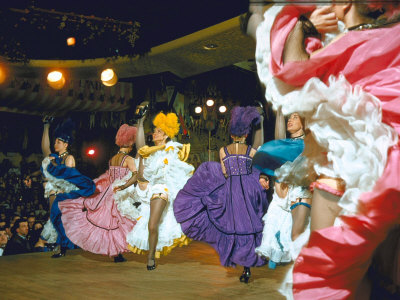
(56, 80)
(198, 109)
(71, 41)
(108, 77)
(222, 109)
(91, 152)
(210, 102)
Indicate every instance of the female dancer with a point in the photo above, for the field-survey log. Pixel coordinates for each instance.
(289, 211)
(95, 223)
(351, 98)
(223, 203)
(164, 174)
(63, 181)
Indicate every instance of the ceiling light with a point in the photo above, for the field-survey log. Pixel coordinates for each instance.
(198, 109)
(71, 41)
(108, 77)
(210, 102)
(222, 109)
(56, 80)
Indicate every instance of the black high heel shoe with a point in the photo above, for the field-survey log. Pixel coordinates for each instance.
(141, 110)
(244, 21)
(151, 267)
(245, 277)
(119, 258)
(62, 253)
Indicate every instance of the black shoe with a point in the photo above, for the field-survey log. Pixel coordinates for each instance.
(245, 277)
(119, 258)
(152, 267)
(61, 254)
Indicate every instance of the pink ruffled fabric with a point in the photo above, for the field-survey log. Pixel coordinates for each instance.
(94, 223)
(336, 258)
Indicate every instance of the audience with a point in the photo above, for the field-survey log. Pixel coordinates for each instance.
(19, 243)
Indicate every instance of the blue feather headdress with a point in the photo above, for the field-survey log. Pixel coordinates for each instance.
(64, 131)
(242, 118)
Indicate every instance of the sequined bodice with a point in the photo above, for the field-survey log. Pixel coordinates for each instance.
(238, 164)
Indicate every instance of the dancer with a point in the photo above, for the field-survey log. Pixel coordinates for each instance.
(351, 100)
(288, 213)
(95, 223)
(223, 203)
(162, 173)
(63, 180)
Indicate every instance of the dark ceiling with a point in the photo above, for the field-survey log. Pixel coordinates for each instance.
(160, 21)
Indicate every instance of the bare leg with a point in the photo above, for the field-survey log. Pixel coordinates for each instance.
(46, 140)
(325, 209)
(300, 216)
(157, 206)
(256, 8)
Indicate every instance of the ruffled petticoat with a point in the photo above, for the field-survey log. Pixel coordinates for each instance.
(166, 174)
(344, 120)
(277, 244)
(49, 233)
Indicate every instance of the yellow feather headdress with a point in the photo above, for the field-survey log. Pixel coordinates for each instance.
(168, 123)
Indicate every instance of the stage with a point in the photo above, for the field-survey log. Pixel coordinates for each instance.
(191, 272)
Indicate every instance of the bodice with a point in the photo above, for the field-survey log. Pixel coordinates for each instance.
(237, 164)
(117, 172)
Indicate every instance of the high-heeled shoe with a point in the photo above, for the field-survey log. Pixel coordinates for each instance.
(119, 258)
(141, 110)
(245, 277)
(151, 267)
(62, 253)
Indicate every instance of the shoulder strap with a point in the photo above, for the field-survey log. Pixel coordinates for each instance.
(248, 150)
(226, 151)
(123, 160)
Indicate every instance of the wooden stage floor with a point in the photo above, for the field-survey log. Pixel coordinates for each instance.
(191, 272)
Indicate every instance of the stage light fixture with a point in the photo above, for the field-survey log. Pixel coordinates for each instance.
(71, 41)
(198, 109)
(210, 102)
(3, 74)
(108, 77)
(222, 109)
(56, 80)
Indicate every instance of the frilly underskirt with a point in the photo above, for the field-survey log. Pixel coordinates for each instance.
(49, 233)
(277, 244)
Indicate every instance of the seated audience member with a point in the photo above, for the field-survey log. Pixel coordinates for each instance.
(18, 244)
(3, 239)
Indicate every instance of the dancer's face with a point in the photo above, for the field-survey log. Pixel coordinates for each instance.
(159, 135)
(60, 146)
(294, 123)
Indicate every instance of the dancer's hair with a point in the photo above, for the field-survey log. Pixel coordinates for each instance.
(168, 123)
(126, 136)
(242, 118)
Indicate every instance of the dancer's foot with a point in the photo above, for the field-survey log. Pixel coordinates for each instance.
(141, 110)
(245, 277)
(151, 264)
(119, 258)
(62, 253)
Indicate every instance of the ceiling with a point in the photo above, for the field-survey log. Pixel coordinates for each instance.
(172, 34)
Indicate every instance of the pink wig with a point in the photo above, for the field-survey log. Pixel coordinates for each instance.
(126, 135)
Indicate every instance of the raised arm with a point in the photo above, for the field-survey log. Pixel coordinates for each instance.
(46, 140)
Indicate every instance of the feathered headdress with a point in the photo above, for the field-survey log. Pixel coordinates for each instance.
(126, 135)
(168, 123)
(242, 118)
(64, 131)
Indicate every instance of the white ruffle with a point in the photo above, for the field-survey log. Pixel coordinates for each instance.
(279, 219)
(49, 233)
(166, 174)
(54, 184)
(125, 199)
